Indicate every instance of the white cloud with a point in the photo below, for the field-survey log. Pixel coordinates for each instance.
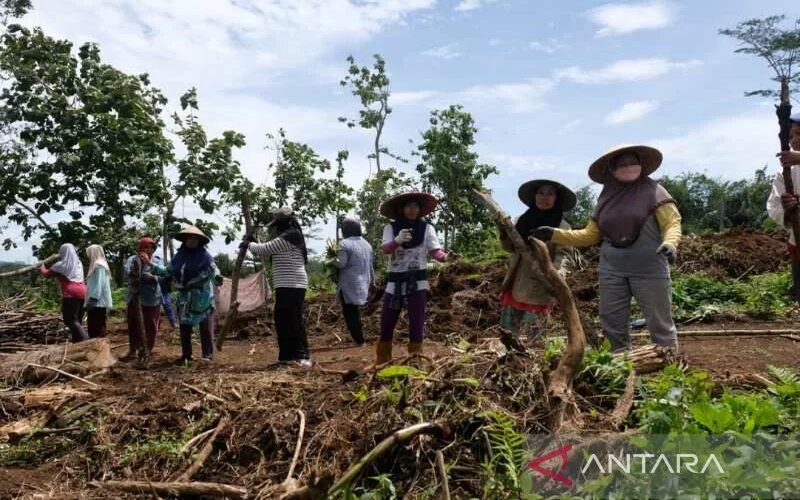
(413, 97)
(626, 70)
(625, 18)
(446, 52)
(549, 46)
(467, 5)
(515, 97)
(732, 147)
(632, 111)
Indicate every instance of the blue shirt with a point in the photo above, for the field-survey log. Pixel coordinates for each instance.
(150, 292)
(355, 269)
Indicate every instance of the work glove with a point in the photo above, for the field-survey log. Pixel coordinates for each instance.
(244, 245)
(91, 304)
(669, 251)
(789, 202)
(404, 236)
(544, 233)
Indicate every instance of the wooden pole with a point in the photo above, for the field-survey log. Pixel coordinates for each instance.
(174, 489)
(562, 400)
(233, 310)
(136, 304)
(27, 269)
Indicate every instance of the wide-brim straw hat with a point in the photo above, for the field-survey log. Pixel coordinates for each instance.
(393, 207)
(649, 157)
(192, 231)
(565, 196)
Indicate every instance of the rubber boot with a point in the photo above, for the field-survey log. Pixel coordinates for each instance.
(414, 348)
(383, 352)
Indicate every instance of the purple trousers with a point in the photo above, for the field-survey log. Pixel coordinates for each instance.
(415, 303)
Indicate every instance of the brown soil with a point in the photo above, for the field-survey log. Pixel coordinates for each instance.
(138, 404)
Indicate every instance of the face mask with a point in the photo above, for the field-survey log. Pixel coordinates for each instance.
(627, 173)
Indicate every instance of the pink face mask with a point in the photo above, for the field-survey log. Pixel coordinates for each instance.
(627, 173)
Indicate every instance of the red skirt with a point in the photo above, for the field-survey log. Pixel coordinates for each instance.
(507, 299)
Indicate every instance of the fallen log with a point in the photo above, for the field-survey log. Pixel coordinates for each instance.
(649, 358)
(562, 401)
(173, 489)
(28, 269)
(87, 356)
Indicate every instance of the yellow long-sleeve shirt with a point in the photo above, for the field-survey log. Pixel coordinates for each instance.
(667, 216)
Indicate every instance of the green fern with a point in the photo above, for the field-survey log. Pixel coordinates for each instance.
(508, 450)
(785, 376)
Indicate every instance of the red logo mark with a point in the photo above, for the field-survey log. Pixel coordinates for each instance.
(563, 454)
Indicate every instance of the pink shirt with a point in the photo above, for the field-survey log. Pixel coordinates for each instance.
(69, 289)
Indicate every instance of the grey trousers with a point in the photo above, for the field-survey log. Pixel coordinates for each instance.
(654, 296)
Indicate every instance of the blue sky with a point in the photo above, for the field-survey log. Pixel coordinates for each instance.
(551, 84)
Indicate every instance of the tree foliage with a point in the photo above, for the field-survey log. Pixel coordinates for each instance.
(371, 86)
(205, 173)
(450, 168)
(584, 209)
(84, 138)
(709, 204)
(778, 46)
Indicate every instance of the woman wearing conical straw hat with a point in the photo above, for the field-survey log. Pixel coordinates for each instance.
(526, 297)
(639, 226)
(409, 239)
(193, 271)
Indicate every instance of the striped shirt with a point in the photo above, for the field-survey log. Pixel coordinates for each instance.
(288, 265)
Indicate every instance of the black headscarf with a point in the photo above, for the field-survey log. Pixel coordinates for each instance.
(289, 229)
(350, 228)
(417, 226)
(535, 217)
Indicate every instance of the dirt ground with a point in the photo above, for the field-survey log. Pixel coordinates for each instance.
(140, 402)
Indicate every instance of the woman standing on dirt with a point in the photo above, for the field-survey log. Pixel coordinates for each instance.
(69, 273)
(192, 272)
(640, 227)
(142, 284)
(526, 295)
(98, 296)
(289, 257)
(409, 239)
(354, 261)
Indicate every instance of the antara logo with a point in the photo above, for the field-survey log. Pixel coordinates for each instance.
(650, 464)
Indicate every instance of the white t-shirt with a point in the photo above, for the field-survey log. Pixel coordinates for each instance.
(410, 259)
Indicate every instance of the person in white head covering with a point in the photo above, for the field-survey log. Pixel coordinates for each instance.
(68, 270)
(98, 296)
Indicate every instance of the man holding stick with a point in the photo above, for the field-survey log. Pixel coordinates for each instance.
(783, 206)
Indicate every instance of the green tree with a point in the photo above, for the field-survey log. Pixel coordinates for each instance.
(779, 47)
(584, 209)
(299, 181)
(371, 86)
(203, 175)
(450, 169)
(86, 138)
(709, 204)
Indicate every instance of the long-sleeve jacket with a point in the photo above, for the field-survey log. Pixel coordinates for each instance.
(527, 282)
(641, 259)
(355, 264)
(288, 264)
